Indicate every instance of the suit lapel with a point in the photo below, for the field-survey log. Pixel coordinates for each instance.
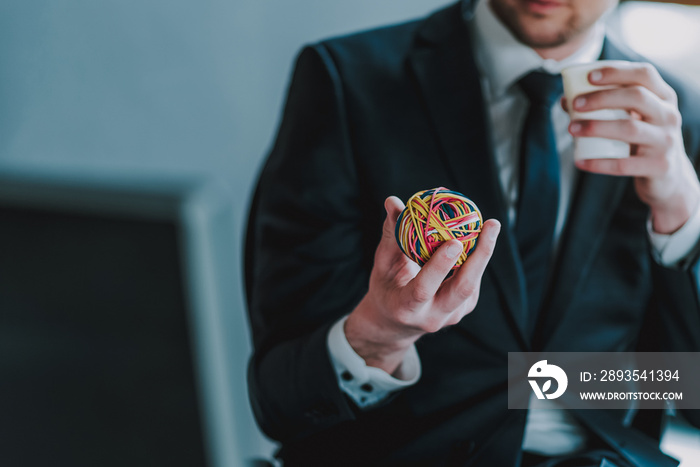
(449, 82)
(595, 201)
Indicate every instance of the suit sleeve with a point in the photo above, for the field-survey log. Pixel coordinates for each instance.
(306, 258)
(677, 289)
(676, 296)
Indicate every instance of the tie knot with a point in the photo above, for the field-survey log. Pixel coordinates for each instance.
(541, 87)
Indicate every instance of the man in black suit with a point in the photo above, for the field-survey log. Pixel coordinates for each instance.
(361, 357)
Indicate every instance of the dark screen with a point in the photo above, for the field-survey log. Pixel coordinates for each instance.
(96, 363)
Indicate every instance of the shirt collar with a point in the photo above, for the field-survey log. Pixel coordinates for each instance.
(504, 60)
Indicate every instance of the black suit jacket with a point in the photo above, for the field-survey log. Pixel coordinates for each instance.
(390, 112)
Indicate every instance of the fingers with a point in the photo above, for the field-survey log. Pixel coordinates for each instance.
(637, 99)
(388, 251)
(637, 166)
(653, 129)
(628, 130)
(651, 143)
(640, 91)
(634, 74)
(464, 286)
(393, 207)
(425, 285)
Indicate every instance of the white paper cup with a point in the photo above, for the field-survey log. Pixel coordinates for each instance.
(576, 83)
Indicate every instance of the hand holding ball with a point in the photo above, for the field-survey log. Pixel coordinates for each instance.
(404, 302)
(432, 217)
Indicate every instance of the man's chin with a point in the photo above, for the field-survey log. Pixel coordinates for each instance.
(542, 40)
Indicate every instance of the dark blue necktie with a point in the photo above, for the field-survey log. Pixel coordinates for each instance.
(539, 186)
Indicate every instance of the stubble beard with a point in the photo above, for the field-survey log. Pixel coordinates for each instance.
(569, 30)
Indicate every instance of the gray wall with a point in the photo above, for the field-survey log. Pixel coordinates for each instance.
(161, 85)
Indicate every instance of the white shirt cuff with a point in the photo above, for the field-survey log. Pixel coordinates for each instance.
(364, 384)
(669, 250)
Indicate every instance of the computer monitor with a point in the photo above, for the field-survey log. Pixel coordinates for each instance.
(115, 339)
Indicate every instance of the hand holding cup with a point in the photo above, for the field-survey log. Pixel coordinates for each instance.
(664, 177)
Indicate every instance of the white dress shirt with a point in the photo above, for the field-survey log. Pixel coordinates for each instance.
(502, 61)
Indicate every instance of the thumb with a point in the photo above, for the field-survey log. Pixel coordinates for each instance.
(388, 251)
(393, 207)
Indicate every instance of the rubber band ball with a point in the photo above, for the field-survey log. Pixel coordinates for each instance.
(435, 216)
